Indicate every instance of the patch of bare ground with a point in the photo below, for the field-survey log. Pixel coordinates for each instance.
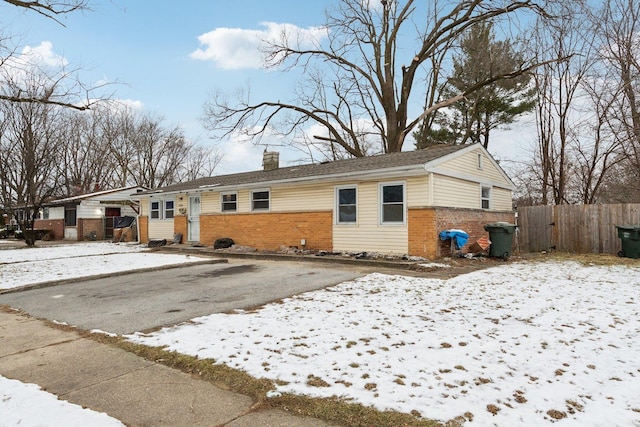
(555, 414)
(573, 406)
(518, 396)
(460, 420)
(585, 259)
(493, 409)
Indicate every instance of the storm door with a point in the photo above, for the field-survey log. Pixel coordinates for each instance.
(194, 219)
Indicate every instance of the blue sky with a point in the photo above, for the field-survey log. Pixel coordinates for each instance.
(153, 50)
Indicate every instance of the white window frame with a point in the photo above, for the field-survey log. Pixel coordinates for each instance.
(162, 209)
(158, 209)
(222, 202)
(337, 207)
(480, 160)
(261, 190)
(381, 203)
(165, 209)
(484, 199)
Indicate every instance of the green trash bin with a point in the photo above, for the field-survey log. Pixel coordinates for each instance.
(501, 236)
(630, 237)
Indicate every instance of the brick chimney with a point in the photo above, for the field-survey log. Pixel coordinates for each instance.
(270, 160)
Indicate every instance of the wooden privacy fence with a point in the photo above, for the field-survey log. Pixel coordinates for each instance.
(574, 228)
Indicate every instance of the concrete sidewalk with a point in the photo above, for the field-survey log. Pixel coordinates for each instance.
(134, 390)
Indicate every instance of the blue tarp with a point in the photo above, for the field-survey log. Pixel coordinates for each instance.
(459, 237)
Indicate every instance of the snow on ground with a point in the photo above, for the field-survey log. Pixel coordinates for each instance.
(521, 344)
(28, 405)
(28, 266)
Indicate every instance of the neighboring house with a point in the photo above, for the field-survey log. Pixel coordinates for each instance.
(392, 204)
(88, 216)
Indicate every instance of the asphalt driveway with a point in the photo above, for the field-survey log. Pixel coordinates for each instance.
(142, 301)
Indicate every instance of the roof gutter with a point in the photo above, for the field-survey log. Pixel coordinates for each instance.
(404, 171)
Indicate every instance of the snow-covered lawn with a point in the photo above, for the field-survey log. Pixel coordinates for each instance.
(528, 343)
(525, 343)
(28, 266)
(28, 405)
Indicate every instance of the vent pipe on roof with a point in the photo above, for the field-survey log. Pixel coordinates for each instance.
(270, 160)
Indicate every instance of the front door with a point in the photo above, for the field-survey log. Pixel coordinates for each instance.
(109, 214)
(194, 219)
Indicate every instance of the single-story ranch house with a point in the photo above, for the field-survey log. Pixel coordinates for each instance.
(390, 204)
(87, 216)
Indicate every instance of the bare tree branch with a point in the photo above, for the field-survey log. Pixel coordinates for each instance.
(368, 74)
(50, 9)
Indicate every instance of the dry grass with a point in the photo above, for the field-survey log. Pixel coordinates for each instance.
(585, 259)
(332, 410)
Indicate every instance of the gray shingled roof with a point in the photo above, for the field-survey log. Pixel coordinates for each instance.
(319, 170)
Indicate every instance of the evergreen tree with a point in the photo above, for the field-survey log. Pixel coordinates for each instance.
(497, 104)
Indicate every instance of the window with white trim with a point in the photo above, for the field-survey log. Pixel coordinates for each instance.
(169, 207)
(154, 210)
(260, 200)
(346, 205)
(229, 202)
(162, 209)
(392, 206)
(485, 197)
(480, 161)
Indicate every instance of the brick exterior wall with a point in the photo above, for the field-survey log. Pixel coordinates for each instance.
(470, 220)
(423, 238)
(86, 226)
(426, 224)
(180, 226)
(143, 224)
(55, 225)
(270, 231)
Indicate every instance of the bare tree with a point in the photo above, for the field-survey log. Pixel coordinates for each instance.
(66, 89)
(86, 164)
(30, 145)
(158, 154)
(51, 9)
(559, 86)
(362, 79)
(617, 24)
(597, 149)
(117, 125)
(201, 162)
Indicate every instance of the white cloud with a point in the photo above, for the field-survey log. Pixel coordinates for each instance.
(240, 157)
(235, 48)
(41, 54)
(41, 60)
(134, 104)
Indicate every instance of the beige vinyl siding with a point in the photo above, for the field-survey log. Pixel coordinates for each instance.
(144, 207)
(455, 193)
(158, 228)
(209, 203)
(367, 234)
(418, 191)
(318, 197)
(244, 201)
(501, 199)
(467, 164)
(161, 229)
